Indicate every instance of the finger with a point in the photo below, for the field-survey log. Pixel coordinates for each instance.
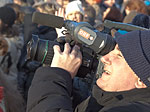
(60, 12)
(67, 48)
(56, 13)
(63, 12)
(79, 56)
(75, 50)
(57, 49)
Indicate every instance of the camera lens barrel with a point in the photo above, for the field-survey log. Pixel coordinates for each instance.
(41, 50)
(49, 52)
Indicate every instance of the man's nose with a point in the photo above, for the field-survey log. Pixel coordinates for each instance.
(106, 59)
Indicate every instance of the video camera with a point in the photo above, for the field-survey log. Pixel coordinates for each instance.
(93, 42)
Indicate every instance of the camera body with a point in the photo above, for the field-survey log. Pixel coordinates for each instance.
(84, 33)
(42, 51)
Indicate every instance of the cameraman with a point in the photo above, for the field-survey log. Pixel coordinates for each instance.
(123, 87)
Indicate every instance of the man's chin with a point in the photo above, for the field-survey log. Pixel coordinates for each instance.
(100, 82)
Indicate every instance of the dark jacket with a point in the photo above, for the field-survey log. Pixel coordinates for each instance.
(51, 90)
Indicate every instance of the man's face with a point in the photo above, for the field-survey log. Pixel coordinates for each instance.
(75, 16)
(117, 75)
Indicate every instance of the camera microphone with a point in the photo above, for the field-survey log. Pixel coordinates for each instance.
(48, 20)
(122, 26)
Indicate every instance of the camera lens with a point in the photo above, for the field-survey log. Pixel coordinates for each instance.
(32, 47)
(40, 50)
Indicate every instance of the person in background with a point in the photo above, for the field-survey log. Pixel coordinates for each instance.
(20, 2)
(48, 7)
(109, 3)
(45, 32)
(132, 8)
(136, 5)
(74, 11)
(113, 14)
(14, 40)
(4, 2)
(106, 4)
(19, 13)
(96, 5)
(118, 4)
(90, 15)
(147, 3)
(11, 43)
(29, 2)
(141, 20)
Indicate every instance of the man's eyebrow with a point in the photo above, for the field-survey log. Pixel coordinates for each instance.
(118, 48)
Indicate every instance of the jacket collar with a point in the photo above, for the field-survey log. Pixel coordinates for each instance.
(105, 98)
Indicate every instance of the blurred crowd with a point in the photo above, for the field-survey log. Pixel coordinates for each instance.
(17, 29)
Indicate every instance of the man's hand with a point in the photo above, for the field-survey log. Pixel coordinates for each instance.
(69, 60)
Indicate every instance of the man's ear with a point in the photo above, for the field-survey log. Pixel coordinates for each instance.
(140, 84)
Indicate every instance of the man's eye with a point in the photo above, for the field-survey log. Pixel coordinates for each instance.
(119, 55)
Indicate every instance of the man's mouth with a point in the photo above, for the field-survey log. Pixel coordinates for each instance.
(107, 72)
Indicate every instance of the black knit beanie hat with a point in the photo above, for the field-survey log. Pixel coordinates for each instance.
(7, 15)
(135, 47)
